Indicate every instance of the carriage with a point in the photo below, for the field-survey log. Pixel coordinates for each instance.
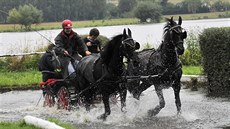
(161, 68)
(63, 93)
(94, 74)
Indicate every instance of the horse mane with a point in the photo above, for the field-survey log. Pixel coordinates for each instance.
(168, 25)
(108, 49)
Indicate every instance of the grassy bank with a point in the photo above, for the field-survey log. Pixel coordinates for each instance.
(26, 79)
(16, 125)
(107, 22)
(22, 125)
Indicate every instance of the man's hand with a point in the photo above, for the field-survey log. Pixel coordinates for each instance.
(87, 53)
(66, 53)
(89, 44)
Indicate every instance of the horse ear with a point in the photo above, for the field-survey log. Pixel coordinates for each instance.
(180, 20)
(129, 33)
(124, 32)
(171, 21)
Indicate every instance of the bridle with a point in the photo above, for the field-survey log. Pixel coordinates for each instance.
(127, 44)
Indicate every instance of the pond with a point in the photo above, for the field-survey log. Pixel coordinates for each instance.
(20, 42)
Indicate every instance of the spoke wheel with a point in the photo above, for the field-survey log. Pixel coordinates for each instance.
(114, 99)
(49, 100)
(63, 98)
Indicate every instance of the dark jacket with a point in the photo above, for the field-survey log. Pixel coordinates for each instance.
(72, 43)
(45, 63)
(95, 45)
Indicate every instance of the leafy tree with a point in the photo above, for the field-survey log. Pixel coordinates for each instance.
(126, 5)
(148, 10)
(192, 5)
(26, 16)
(14, 16)
(164, 2)
(221, 6)
(112, 11)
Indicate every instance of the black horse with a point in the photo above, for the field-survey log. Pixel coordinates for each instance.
(163, 62)
(102, 73)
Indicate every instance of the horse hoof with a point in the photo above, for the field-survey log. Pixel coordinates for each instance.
(102, 117)
(124, 109)
(179, 112)
(136, 96)
(152, 113)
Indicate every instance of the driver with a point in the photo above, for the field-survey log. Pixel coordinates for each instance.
(68, 46)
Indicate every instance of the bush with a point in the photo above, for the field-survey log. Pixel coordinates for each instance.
(192, 54)
(215, 48)
(148, 10)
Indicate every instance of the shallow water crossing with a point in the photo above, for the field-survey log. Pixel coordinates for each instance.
(198, 111)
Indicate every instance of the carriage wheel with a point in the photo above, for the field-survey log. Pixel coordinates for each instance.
(114, 99)
(49, 100)
(63, 98)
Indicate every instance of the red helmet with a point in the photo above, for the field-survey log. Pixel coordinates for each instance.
(67, 24)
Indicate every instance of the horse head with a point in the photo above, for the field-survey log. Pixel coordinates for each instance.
(128, 44)
(174, 35)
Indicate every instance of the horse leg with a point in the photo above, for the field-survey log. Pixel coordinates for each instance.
(176, 87)
(157, 109)
(87, 101)
(105, 98)
(123, 94)
(141, 87)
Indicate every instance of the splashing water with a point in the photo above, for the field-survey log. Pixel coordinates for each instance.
(198, 111)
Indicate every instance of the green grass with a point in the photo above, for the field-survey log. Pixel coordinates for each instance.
(196, 16)
(76, 24)
(192, 70)
(61, 123)
(16, 125)
(105, 22)
(179, 1)
(22, 125)
(19, 79)
(33, 77)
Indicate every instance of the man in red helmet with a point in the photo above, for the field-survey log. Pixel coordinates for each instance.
(69, 45)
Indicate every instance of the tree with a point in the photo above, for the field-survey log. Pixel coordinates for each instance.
(26, 16)
(163, 2)
(126, 5)
(221, 6)
(148, 10)
(192, 5)
(112, 10)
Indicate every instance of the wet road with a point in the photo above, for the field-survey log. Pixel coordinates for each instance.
(198, 111)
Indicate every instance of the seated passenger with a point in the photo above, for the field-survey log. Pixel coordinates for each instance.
(47, 65)
(91, 41)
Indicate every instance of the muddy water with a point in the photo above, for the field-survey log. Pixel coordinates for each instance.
(198, 111)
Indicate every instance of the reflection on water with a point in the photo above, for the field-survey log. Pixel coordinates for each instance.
(18, 42)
